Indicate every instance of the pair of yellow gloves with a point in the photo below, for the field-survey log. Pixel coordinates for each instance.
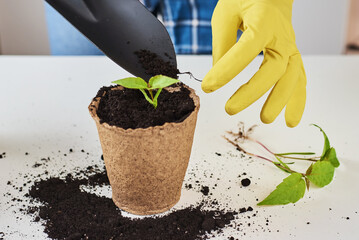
(267, 26)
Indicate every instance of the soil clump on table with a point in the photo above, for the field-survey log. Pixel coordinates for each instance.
(127, 108)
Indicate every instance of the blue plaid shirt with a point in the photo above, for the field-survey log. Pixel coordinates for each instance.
(188, 23)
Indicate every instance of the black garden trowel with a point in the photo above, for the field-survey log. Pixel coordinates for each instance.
(119, 28)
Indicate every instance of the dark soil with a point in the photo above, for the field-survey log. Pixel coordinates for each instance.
(67, 207)
(246, 182)
(154, 65)
(69, 213)
(128, 108)
(205, 190)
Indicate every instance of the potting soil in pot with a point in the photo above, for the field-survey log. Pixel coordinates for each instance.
(128, 108)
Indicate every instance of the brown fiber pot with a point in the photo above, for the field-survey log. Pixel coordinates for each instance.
(146, 166)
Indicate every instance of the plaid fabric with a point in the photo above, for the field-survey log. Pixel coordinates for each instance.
(188, 23)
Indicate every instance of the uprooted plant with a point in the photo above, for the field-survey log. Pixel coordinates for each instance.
(156, 83)
(292, 188)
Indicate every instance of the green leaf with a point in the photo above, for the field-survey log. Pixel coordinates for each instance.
(156, 97)
(326, 141)
(132, 82)
(295, 153)
(289, 191)
(148, 98)
(331, 156)
(321, 173)
(161, 81)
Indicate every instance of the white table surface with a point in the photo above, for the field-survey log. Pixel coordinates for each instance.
(43, 109)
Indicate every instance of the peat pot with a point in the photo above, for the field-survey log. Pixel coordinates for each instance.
(146, 166)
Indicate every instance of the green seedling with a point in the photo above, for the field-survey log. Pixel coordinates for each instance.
(155, 84)
(292, 188)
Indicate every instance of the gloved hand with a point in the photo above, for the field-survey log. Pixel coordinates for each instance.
(267, 27)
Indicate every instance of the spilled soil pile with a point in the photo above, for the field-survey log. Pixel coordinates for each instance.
(68, 212)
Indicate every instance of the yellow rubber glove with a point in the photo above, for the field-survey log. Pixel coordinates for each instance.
(267, 27)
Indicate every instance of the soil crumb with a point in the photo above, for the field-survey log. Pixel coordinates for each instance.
(246, 182)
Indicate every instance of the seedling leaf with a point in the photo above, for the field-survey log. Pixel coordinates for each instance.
(331, 156)
(161, 81)
(321, 173)
(289, 191)
(326, 141)
(132, 82)
(157, 82)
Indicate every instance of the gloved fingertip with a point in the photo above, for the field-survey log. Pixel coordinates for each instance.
(209, 85)
(292, 119)
(206, 88)
(230, 109)
(266, 118)
(291, 123)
